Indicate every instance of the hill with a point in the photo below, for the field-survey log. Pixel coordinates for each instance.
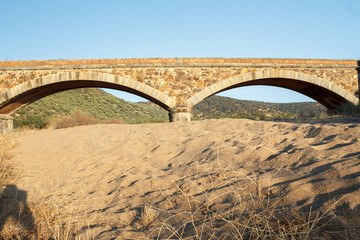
(104, 106)
(218, 107)
(95, 102)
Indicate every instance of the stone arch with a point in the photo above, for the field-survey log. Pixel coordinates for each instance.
(326, 93)
(30, 91)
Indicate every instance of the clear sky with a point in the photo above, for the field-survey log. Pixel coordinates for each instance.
(82, 29)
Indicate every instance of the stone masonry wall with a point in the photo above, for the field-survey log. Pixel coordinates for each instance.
(180, 78)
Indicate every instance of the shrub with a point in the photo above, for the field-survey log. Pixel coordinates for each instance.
(78, 118)
(32, 121)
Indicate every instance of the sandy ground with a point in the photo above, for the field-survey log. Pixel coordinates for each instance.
(106, 174)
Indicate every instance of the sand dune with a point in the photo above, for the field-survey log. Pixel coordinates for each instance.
(107, 173)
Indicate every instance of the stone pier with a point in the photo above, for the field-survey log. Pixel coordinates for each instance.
(180, 114)
(6, 123)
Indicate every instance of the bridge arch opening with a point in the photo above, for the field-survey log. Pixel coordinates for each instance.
(84, 106)
(262, 93)
(327, 94)
(258, 102)
(26, 93)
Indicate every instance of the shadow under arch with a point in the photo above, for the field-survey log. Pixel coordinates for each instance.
(28, 92)
(326, 93)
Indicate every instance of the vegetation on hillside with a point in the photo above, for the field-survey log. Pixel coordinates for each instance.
(94, 102)
(103, 107)
(219, 107)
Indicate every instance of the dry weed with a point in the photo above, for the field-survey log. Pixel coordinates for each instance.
(40, 220)
(50, 223)
(241, 211)
(78, 118)
(18, 218)
(148, 216)
(8, 173)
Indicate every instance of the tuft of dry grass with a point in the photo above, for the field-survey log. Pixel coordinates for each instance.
(148, 216)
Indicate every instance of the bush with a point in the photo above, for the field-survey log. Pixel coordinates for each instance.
(32, 121)
(78, 118)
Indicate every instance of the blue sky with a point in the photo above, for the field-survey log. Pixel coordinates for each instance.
(79, 29)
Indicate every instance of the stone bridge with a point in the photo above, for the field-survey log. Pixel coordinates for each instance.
(177, 84)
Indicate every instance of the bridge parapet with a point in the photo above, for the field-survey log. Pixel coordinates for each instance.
(176, 62)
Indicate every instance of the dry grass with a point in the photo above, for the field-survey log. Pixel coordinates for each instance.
(18, 218)
(148, 216)
(36, 221)
(245, 212)
(50, 223)
(230, 205)
(78, 118)
(8, 173)
(10, 212)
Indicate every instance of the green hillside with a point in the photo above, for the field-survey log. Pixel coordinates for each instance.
(95, 102)
(217, 107)
(104, 106)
